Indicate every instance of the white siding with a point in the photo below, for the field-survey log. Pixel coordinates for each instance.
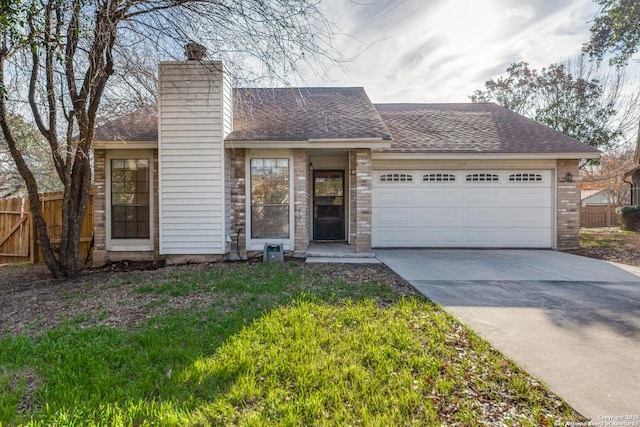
(194, 118)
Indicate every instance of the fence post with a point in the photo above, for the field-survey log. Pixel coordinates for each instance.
(32, 235)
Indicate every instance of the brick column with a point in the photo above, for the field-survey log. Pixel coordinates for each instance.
(568, 205)
(363, 200)
(99, 209)
(301, 179)
(353, 202)
(238, 200)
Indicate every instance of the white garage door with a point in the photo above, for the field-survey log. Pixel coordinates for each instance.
(468, 208)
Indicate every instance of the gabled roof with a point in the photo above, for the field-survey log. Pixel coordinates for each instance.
(471, 128)
(312, 114)
(303, 114)
(275, 114)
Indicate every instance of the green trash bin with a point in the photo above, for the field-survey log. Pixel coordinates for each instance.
(273, 252)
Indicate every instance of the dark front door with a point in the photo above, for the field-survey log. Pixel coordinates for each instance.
(328, 205)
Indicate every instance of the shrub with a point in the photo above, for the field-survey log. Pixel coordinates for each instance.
(629, 217)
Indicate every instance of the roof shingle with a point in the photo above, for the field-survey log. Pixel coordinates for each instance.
(300, 114)
(141, 125)
(471, 128)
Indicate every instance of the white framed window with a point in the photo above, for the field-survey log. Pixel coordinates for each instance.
(396, 177)
(129, 200)
(270, 215)
(438, 177)
(525, 177)
(481, 177)
(270, 198)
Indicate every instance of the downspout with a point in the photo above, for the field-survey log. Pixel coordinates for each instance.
(631, 192)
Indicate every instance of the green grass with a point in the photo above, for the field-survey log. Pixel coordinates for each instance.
(281, 345)
(615, 239)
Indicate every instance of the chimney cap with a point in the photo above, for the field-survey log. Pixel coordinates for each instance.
(195, 51)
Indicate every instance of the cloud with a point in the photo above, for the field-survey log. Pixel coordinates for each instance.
(442, 50)
(524, 13)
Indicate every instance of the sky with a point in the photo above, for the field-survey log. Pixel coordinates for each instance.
(442, 50)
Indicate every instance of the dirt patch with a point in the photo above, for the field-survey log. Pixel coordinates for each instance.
(32, 301)
(609, 245)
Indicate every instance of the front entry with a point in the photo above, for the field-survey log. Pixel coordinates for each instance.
(328, 205)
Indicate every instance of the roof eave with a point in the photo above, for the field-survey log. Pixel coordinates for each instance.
(629, 173)
(480, 156)
(372, 143)
(120, 144)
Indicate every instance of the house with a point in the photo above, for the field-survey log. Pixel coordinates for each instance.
(214, 172)
(600, 197)
(632, 177)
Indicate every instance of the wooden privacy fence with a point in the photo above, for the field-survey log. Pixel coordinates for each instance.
(598, 216)
(17, 233)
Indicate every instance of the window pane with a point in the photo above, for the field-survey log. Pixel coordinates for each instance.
(119, 213)
(130, 198)
(270, 222)
(143, 230)
(118, 229)
(270, 198)
(143, 198)
(270, 183)
(143, 214)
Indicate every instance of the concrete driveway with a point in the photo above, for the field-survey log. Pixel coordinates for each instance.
(572, 322)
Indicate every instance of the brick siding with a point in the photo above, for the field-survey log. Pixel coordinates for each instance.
(362, 220)
(568, 205)
(301, 182)
(237, 181)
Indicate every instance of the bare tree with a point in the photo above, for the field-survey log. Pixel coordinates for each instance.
(37, 155)
(609, 173)
(58, 56)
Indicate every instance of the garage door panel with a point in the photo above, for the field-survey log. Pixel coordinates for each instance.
(528, 218)
(441, 238)
(530, 238)
(515, 211)
(524, 197)
(481, 217)
(399, 237)
(482, 237)
(480, 196)
(394, 197)
(445, 196)
(438, 217)
(395, 217)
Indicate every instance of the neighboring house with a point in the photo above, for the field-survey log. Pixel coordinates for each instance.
(632, 177)
(598, 197)
(214, 172)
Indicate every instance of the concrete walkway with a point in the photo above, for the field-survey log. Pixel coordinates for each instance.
(572, 322)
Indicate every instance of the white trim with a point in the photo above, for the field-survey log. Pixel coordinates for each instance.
(481, 156)
(128, 245)
(379, 144)
(125, 145)
(258, 244)
(461, 164)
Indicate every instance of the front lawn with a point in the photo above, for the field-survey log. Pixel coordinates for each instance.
(251, 344)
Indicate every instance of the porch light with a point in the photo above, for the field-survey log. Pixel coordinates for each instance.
(568, 177)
